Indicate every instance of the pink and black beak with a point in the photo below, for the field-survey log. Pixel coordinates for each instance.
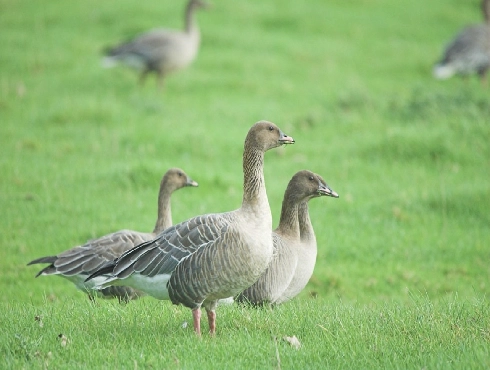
(191, 182)
(324, 190)
(285, 139)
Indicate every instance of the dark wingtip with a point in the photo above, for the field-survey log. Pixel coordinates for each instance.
(105, 269)
(48, 259)
(39, 273)
(48, 270)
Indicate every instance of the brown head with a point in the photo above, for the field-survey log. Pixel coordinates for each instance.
(195, 4)
(306, 185)
(175, 179)
(266, 135)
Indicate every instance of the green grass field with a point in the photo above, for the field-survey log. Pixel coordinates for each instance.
(402, 277)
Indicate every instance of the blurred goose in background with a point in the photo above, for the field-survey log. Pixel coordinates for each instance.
(295, 246)
(78, 263)
(211, 257)
(160, 50)
(469, 52)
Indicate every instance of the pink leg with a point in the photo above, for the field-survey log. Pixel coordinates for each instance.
(196, 314)
(212, 321)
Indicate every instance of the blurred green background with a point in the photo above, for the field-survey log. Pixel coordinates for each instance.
(83, 148)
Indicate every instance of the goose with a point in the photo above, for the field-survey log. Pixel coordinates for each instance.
(210, 257)
(161, 51)
(469, 51)
(79, 262)
(294, 244)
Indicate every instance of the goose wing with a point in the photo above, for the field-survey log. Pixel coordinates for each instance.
(163, 254)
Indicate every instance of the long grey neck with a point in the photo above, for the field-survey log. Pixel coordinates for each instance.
(164, 220)
(288, 224)
(190, 21)
(254, 193)
(306, 228)
(486, 11)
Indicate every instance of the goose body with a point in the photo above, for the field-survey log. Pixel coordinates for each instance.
(210, 257)
(77, 263)
(161, 51)
(294, 244)
(468, 52)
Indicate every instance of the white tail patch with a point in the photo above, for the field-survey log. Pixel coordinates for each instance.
(108, 62)
(226, 301)
(154, 286)
(131, 60)
(443, 72)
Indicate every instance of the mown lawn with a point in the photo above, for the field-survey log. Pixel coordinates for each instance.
(402, 277)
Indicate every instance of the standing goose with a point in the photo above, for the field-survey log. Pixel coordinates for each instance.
(294, 244)
(79, 262)
(209, 257)
(160, 50)
(469, 52)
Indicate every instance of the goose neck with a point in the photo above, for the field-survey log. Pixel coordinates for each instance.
(288, 224)
(306, 228)
(189, 20)
(485, 7)
(164, 219)
(254, 193)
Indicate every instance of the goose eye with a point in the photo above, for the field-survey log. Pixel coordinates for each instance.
(181, 174)
(271, 128)
(311, 178)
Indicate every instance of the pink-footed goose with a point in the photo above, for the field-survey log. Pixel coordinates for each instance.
(161, 51)
(78, 263)
(211, 257)
(469, 51)
(294, 244)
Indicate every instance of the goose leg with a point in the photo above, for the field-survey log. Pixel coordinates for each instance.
(211, 311)
(212, 321)
(160, 79)
(143, 76)
(196, 314)
(483, 75)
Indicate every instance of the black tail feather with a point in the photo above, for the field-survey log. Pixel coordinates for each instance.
(48, 259)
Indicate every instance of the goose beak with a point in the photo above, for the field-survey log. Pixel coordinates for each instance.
(191, 182)
(285, 139)
(326, 191)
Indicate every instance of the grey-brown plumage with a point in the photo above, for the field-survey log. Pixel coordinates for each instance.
(161, 51)
(294, 244)
(210, 257)
(78, 263)
(469, 51)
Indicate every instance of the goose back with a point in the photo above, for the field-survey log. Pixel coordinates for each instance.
(468, 52)
(160, 50)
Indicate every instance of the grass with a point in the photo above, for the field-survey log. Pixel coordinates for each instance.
(449, 334)
(402, 278)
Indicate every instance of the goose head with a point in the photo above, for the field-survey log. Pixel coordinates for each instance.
(306, 184)
(265, 135)
(176, 178)
(195, 4)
